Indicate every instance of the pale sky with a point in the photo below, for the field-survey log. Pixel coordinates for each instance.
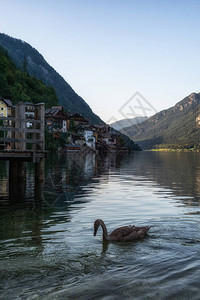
(108, 50)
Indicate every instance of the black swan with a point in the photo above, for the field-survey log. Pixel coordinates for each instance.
(122, 234)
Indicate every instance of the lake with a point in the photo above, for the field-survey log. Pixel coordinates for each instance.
(47, 246)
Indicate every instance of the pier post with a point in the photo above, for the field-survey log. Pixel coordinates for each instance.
(12, 174)
(17, 180)
(39, 178)
(40, 165)
(21, 170)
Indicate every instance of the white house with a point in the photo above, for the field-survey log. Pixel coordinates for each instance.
(89, 138)
(110, 139)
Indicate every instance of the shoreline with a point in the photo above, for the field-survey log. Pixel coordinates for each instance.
(173, 150)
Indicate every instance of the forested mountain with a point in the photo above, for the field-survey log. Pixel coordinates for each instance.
(178, 126)
(29, 59)
(19, 86)
(118, 125)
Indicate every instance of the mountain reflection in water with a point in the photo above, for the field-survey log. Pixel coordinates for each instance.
(47, 246)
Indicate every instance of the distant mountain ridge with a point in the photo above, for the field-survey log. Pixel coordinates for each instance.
(178, 125)
(118, 125)
(29, 59)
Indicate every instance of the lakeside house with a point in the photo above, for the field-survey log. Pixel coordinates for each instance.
(5, 107)
(79, 132)
(107, 137)
(78, 119)
(56, 118)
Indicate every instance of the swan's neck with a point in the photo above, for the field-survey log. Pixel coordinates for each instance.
(105, 232)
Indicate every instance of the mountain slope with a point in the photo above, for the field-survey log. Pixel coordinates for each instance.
(29, 59)
(178, 125)
(19, 86)
(118, 125)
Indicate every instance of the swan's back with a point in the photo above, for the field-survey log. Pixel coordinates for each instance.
(122, 231)
(128, 233)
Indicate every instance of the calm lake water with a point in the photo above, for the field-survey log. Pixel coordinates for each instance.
(47, 246)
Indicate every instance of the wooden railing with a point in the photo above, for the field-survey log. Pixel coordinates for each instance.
(17, 133)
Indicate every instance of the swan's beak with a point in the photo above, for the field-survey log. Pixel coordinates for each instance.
(95, 230)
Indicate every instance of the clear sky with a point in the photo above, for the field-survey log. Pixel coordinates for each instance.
(107, 50)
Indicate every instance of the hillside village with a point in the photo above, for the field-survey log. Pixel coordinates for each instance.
(70, 132)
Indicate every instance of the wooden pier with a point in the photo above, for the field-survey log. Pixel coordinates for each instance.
(23, 141)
